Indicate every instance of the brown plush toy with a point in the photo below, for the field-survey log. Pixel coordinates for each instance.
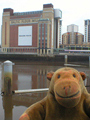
(67, 98)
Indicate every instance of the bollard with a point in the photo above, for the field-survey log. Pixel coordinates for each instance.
(7, 77)
(66, 59)
(89, 61)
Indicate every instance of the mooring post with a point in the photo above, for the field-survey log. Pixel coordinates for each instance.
(7, 77)
(89, 61)
(66, 59)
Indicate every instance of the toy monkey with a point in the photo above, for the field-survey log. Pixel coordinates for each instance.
(67, 98)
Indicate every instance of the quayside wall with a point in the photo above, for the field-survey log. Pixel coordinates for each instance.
(54, 58)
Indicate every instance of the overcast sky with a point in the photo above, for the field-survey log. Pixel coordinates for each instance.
(73, 11)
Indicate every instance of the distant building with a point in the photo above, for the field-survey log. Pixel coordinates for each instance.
(40, 29)
(60, 35)
(87, 31)
(72, 36)
(72, 28)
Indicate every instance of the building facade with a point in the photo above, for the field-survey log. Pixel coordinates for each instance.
(72, 36)
(38, 29)
(87, 31)
(72, 28)
(60, 42)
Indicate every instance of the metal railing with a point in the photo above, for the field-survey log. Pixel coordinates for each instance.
(31, 90)
(19, 49)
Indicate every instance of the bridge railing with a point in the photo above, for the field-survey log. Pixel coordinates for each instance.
(26, 50)
(36, 50)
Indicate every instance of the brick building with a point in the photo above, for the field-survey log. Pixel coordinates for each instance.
(38, 29)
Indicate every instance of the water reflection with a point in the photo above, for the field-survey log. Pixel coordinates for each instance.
(11, 103)
(8, 107)
(31, 76)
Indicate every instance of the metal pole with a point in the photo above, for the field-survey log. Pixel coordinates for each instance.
(89, 61)
(7, 77)
(31, 90)
(66, 59)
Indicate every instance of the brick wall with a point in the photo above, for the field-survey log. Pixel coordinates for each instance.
(14, 35)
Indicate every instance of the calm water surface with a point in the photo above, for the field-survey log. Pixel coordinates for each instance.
(27, 75)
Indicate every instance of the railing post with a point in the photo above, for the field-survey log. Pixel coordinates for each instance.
(7, 77)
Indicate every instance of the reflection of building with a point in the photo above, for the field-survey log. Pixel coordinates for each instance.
(32, 29)
(87, 31)
(72, 36)
(42, 79)
(29, 78)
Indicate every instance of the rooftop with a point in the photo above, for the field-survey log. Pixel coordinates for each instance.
(27, 13)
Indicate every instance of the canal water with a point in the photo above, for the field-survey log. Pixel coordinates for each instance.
(30, 75)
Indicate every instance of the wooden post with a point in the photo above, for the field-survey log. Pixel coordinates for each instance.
(7, 77)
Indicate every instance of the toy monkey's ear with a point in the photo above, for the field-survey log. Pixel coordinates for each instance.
(83, 75)
(49, 75)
